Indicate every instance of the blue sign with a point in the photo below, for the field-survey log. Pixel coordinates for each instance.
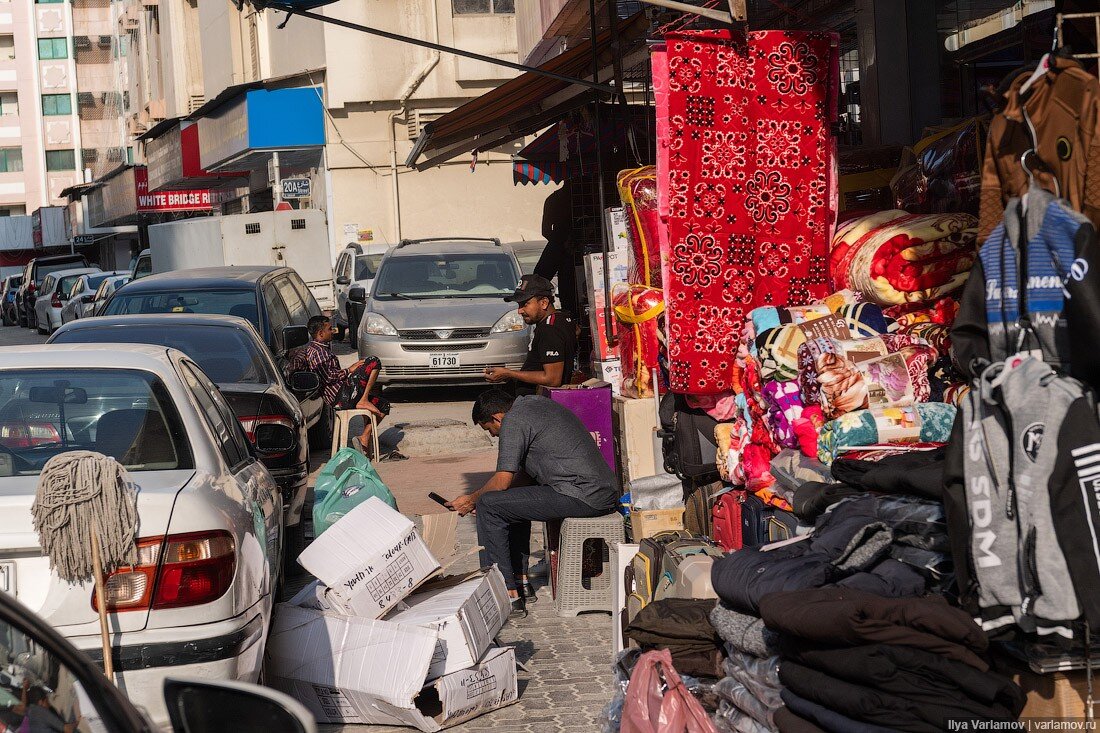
(262, 120)
(296, 188)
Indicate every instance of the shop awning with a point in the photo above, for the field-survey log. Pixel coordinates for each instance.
(526, 103)
(542, 172)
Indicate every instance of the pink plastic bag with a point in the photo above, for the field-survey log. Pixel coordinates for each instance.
(658, 702)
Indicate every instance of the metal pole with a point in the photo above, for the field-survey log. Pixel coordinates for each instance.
(277, 187)
(445, 49)
(596, 118)
(717, 15)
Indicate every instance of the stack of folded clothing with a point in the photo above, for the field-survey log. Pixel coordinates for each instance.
(853, 661)
(682, 626)
(749, 694)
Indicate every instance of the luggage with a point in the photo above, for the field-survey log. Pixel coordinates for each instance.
(685, 569)
(663, 552)
(699, 507)
(744, 520)
(687, 441)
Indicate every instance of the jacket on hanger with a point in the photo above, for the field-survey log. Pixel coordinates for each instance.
(1061, 300)
(1022, 497)
(1064, 107)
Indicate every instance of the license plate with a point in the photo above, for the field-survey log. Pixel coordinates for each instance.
(7, 577)
(443, 360)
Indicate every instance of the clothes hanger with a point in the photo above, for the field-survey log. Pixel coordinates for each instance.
(1042, 68)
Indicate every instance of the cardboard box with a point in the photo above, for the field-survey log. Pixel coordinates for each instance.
(618, 232)
(598, 302)
(358, 671)
(648, 522)
(610, 371)
(467, 615)
(370, 559)
(591, 403)
(635, 425)
(622, 554)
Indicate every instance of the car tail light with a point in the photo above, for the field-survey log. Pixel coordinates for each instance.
(174, 571)
(251, 424)
(31, 288)
(55, 301)
(28, 434)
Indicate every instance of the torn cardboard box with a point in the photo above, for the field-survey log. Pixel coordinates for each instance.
(359, 671)
(467, 615)
(370, 559)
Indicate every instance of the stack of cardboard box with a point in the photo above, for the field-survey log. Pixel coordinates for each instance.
(385, 636)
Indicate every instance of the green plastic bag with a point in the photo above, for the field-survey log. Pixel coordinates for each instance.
(349, 479)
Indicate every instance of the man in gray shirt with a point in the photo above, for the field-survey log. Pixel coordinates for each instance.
(548, 468)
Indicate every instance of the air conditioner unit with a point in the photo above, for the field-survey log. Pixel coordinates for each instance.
(85, 99)
(91, 155)
(130, 23)
(82, 42)
(116, 154)
(418, 118)
(105, 41)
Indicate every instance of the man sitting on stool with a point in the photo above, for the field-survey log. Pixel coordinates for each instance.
(548, 468)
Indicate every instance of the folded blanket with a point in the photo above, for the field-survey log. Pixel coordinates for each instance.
(777, 352)
(840, 298)
(937, 335)
(744, 633)
(892, 257)
(864, 320)
(928, 422)
(943, 311)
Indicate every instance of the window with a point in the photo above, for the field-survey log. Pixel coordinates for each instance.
(53, 48)
(446, 276)
(483, 7)
(11, 160)
(276, 315)
(241, 303)
(312, 309)
(9, 103)
(61, 160)
(44, 2)
(225, 433)
(57, 104)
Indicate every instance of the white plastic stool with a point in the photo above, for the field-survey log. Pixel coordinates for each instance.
(575, 591)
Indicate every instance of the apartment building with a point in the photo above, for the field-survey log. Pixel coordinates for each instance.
(221, 87)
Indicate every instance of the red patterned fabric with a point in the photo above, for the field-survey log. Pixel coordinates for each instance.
(752, 188)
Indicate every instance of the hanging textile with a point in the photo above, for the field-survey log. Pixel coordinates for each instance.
(638, 308)
(752, 187)
(638, 192)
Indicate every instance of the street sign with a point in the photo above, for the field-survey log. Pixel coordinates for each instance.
(296, 188)
(284, 206)
(81, 239)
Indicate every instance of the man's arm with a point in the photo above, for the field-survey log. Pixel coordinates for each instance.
(499, 481)
(549, 376)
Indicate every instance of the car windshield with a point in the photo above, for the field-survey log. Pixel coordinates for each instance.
(447, 276)
(67, 283)
(94, 281)
(225, 353)
(366, 266)
(122, 413)
(240, 303)
(45, 268)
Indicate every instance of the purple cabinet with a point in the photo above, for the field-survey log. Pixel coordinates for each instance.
(593, 406)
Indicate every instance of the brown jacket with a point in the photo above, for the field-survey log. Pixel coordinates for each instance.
(1064, 107)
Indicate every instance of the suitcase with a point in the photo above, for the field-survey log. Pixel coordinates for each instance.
(726, 519)
(687, 440)
(699, 507)
(683, 566)
(643, 575)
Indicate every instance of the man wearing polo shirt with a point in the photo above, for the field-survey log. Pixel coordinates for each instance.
(553, 344)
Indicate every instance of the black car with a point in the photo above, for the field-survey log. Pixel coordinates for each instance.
(234, 358)
(33, 275)
(274, 300)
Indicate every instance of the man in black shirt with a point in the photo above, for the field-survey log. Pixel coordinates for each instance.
(553, 344)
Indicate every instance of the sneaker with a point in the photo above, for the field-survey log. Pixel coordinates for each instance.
(519, 608)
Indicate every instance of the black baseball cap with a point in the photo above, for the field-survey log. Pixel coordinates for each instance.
(531, 286)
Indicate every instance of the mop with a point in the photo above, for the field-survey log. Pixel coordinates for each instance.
(85, 514)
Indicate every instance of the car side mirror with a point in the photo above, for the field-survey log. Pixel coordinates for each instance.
(357, 295)
(304, 382)
(206, 706)
(343, 280)
(295, 336)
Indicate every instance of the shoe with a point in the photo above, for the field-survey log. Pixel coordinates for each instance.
(393, 455)
(519, 608)
(528, 592)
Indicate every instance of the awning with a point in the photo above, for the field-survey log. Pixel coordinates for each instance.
(542, 172)
(528, 103)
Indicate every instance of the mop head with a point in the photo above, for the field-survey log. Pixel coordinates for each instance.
(79, 491)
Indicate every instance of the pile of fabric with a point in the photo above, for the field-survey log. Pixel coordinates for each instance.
(853, 662)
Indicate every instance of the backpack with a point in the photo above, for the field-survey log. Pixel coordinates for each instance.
(688, 445)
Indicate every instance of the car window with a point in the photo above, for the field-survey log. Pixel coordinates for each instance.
(77, 288)
(225, 353)
(126, 414)
(95, 280)
(447, 276)
(366, 266)
(276, 313)
(312, 309)
(241, 303)
(295, 306)
(144, 267)
(225, 431)
(67, 283)
(341, 263)
(45, 268)
(47, 284)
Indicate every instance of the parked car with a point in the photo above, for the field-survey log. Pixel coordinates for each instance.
(33, 275)
(53, 296)
(79, 690)
(231, 353)
(199, 600)
(437, 312)
(7, 298)
(82, 295)
(273, 299)
(105, 290)
(354, 268)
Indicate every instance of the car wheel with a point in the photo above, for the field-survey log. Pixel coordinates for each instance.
(340, 332)
(320, 435)
(9, 318)
(41, 331)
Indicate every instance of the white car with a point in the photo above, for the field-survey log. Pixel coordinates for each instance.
(53, 296)
(198, 604)
(81, 298)
(354, 267)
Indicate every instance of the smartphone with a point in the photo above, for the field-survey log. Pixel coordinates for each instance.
(438, 499)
